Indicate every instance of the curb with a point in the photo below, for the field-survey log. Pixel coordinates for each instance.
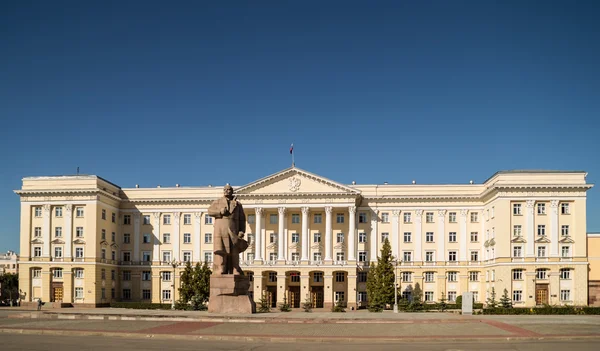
(290, 339)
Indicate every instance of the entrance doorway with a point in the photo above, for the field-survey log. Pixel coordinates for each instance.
(294, 298)
(317, 296)
(57, 292)
(541, 294)
(272, 296)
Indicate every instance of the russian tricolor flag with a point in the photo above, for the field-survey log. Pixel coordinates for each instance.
(292, 149)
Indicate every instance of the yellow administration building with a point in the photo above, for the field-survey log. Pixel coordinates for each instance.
(86, 242)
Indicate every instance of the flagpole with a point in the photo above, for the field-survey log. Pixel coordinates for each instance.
(293, 163)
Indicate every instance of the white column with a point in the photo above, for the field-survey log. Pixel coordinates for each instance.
(328, 229)
(68, 225)
(136, 237)
(395, 232)
(373, 238)
(176, 236)
(464, 236)
(258, 240)
(530, 228)
(280, 239)
(419, 235)
(197, 237)
(554, 228)
(352, 233)
(156, 234)
(305, 215)
(46, 230)
(441, 239)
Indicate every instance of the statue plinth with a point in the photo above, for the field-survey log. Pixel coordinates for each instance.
(229, 294)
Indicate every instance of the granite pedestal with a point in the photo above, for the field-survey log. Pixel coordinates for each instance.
(229, 294)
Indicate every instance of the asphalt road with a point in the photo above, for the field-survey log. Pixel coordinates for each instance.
(76, 343)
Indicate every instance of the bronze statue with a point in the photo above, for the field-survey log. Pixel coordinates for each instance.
(230, 226)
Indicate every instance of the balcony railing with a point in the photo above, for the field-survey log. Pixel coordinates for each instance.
(474, 263)
(566, 259)
(518, 259)
(362, 263)
(293, 262)
(340, 263)
(541, 259)
(316, 263)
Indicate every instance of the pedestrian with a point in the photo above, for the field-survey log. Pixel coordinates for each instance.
(39, 304)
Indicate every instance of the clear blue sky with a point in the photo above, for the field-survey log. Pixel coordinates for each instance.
(200, 92)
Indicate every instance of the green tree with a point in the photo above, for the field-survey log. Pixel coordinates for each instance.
(380, 280)
(202, 282)
(263, 303)
(443, 305)
(307, 305)
(491, 301)
(285, 306)
(505, 301)
(195, 287)
(338, 307)
(9, 284)
(416, 303)
(186, 290)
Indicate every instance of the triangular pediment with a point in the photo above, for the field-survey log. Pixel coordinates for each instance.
(518, 239)
(294, 181)
(543, 239)
(57, 241)
(37, 241)
(78, 241)
(567, 240)
(114, 245)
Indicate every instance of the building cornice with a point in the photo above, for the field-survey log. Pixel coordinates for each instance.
(66, 192)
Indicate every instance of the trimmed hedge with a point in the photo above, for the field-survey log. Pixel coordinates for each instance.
(140, 305)
(546, 310)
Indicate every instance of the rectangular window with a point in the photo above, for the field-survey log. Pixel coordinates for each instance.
(340, 218)
(474, 237)
(103, 254)
(126, 294)
(362, 256)
(517, 274)
(38, 211)
(146, 276)
(208, 256)
(187, 256)
(114, 217)
(146, 295)
(146, 219)
(79, 293)
(473, 276)
(187, 219)
(541, 208)
(429, 256)
(167, 219)
(541, 251)
(407, 256)
(113, 255)
(37, 273)
(79, 252)
(126, 256)
(407, 218)
(126, 275)
(272, 277)
(362, 237)
(541, 230)
(146, 256)
(565, 274)
(452, 276)
(361, 277)
(385, 217)
(103, 234)
(362, 217)
(273, 238)
(208, 219)
(126, 219)
(517, 209)
(295, 238)
(166, 276)
(295, 277)
(251, 219)
(317, 237)
(452, 296)
(79, 212)
(58, 211)
(565, 295)
(37, 251)
(517, 295)
(474, 217)
(295, 218)
(250, 239)
(166, 238)
(517, 251)
(113, 274)
(385, 236)
(339, 296)
(564, 230)
(113, 236)
(516, 230)
(340, 238)
(407, 277)
(207, 238)
(541, 274)
(166, 256)
(58, 273)
(452, 237)
(318, 218)
(104, 214)
(564, 208)
(318, 277)
(340, 277)
(407, 237)
(429, 276)
(428, 296)
(429, 237)
(37, 232)
(166, 295)
(295, 256)
(565, 251)
(58, 252)
(316, 256)
(452, 217)
(474, 256)
(146, 239)
(429, 217)
(273, 218)
(126, 238)
(79, 232)
(187, 238)
(339, 256)
(58, 232)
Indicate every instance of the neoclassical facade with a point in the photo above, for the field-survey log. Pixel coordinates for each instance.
(86, 242)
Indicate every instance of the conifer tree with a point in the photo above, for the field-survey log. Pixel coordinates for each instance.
(380, 280)
(505, 301)
(491, 301)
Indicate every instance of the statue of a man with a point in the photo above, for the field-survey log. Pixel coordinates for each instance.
(230, 226)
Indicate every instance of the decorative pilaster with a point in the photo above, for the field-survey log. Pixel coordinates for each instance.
(258, 239)
(352, 233)
(441, 239)
(68, 229)
(554, 228)
(46, 231)
(176, 236)
(395, 232)
(305, 215)
(530, 225)
(328, 229)
(419, 235)
(136, 237)
(197, 237)
(156, 234)
(464, 236)
(280, 240)
(373, 238)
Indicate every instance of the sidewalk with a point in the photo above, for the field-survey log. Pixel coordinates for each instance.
(298, 326)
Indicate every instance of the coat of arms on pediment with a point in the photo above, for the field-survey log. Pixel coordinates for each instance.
(294, 183)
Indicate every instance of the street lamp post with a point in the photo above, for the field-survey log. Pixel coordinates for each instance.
(174, 265)
(395, 287)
